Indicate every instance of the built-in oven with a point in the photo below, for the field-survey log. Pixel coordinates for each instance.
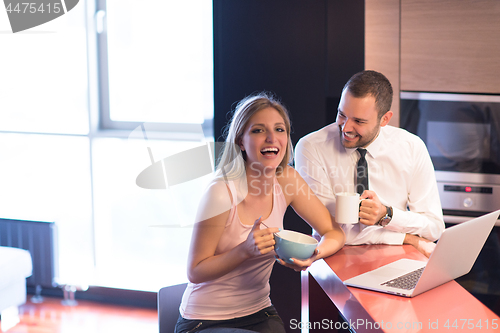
(462, 134)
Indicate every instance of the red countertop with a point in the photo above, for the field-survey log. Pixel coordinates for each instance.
(448, 308)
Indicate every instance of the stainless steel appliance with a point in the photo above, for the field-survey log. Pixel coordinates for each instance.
(462, 134)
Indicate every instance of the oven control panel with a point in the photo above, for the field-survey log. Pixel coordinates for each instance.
(468, 189)
(469, 197)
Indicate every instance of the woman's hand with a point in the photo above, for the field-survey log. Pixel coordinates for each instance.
(204, 263)
(305, 203)
(300, 265)
(259, 241)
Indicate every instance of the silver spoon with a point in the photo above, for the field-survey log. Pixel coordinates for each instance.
(274, 233)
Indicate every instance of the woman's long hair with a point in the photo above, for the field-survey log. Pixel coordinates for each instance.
(231, 164)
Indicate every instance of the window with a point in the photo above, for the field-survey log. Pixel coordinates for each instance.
(142, 236)
(44, 77)
(44, 135)
(89, 101)
(155, 79)
(157, 57)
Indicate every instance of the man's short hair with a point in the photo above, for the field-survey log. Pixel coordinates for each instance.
(372, 83)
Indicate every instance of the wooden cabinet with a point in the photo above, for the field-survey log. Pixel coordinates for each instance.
(382, 44)
(450, 46)
(434, 45)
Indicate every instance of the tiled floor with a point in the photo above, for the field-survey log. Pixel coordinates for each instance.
(53, 317)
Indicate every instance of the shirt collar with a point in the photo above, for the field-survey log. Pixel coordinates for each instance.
(374, 147)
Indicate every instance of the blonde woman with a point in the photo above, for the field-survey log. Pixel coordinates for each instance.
(232, 247)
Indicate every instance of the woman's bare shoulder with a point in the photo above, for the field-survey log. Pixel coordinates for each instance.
(288, 175)
(215, 201)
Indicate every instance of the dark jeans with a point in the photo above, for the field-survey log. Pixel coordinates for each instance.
(264, 321)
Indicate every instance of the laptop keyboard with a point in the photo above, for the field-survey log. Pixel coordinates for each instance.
(407, 281)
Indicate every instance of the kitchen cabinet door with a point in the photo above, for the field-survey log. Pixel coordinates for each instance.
(450, 45)
(382, 41)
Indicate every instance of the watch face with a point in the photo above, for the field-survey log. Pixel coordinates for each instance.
(385, 221)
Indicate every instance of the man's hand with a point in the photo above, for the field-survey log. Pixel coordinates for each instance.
(371, 209)
(423, 245)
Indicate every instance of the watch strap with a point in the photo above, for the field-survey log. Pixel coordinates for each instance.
(386, 219)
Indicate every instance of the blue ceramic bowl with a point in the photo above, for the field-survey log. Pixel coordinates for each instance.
(291, 244)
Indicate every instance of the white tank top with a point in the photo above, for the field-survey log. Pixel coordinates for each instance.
(245, 290)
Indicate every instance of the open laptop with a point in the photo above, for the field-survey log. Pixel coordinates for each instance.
(454, 256)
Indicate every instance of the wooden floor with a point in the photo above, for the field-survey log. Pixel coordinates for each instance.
(53, 317)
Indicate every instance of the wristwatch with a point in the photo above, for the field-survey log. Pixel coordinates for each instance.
(387, 218)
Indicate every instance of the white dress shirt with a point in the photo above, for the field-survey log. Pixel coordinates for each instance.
(400, 172)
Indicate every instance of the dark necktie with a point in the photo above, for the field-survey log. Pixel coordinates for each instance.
(362, 172)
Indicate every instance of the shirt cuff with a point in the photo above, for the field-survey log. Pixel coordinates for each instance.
(392, 238)
(397, 223)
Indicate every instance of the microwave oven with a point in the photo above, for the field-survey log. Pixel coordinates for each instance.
(462, 135)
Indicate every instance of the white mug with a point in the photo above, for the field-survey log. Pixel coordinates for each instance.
(347, 208)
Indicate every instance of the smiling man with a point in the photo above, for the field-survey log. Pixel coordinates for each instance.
(402, 202)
